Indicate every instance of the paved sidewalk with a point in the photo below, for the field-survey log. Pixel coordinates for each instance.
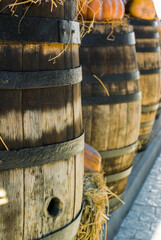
(143, 222)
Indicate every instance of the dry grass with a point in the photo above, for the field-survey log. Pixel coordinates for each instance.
(86, 26)
(28, 3)
(105, 88)
(1, 140)
(96, 207)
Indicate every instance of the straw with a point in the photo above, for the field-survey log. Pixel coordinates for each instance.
(4, 143)
(95, 212)
(107, 92)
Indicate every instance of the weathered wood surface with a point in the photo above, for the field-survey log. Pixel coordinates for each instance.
(111, 126)
(66, 11)
(150, 83)
(36, 117)
(159, 108)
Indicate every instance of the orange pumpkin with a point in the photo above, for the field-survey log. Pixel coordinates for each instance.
(143, 9)
(102, 9)
(92, 159)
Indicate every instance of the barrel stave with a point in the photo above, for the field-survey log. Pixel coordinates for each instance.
(46, 197)
(115, 125)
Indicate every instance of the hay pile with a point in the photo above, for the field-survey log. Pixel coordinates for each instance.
(96, 207)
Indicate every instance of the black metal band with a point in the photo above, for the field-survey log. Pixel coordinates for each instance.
(142, 22)
(147, 124)
(103, 100)
(159, 110)
(40, 79)
(159, 106)
(28, 157)
(93, 39)
(117, 77)
(146, 35)
(34, 29)
(144, 137)
(149, 108)
(117, 152)
(118, 176)
(148, 49)
(150, 71)
(68, 231)
(113, 202)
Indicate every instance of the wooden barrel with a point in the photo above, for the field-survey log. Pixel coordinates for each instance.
(159, 30)
(111, 122)
(149, 63)
(41, 124)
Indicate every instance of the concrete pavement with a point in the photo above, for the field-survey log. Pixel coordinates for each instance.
(143, 222)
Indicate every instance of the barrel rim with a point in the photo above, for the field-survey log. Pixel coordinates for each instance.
(28, 157)
(142, 22)
(113, 77)
(150, 71)
(117, 99)
(69, 229)
(95, 40)
(117, 152)
(114, 202)
(39, 29)
(149, 108)
(40, 79)
(118, 176)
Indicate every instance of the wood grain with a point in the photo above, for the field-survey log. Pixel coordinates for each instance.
(117, 125)
(150, 83)
(43, 198)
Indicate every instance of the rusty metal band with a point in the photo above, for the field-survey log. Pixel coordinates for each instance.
(113, 202)
(118, 176)
(147, 49)
(40, 79)
(147, 124)
(149, 108)
(150, 71)
(36, 29)
(142, 22)
(67, 232)
(104, 100)
(119, 151)
(93, 39)
(117, 77)
(28, 157)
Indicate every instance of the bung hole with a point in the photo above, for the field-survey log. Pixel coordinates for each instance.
(55, 207)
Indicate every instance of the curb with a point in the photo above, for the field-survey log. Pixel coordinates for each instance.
(143, 163)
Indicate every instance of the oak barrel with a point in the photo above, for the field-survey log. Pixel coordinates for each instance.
(111, 122)
(159, 30)
(41, 123)
(149, 63)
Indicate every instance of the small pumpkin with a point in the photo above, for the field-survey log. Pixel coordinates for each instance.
(143, 9)
(92, 159)
(102, 9)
